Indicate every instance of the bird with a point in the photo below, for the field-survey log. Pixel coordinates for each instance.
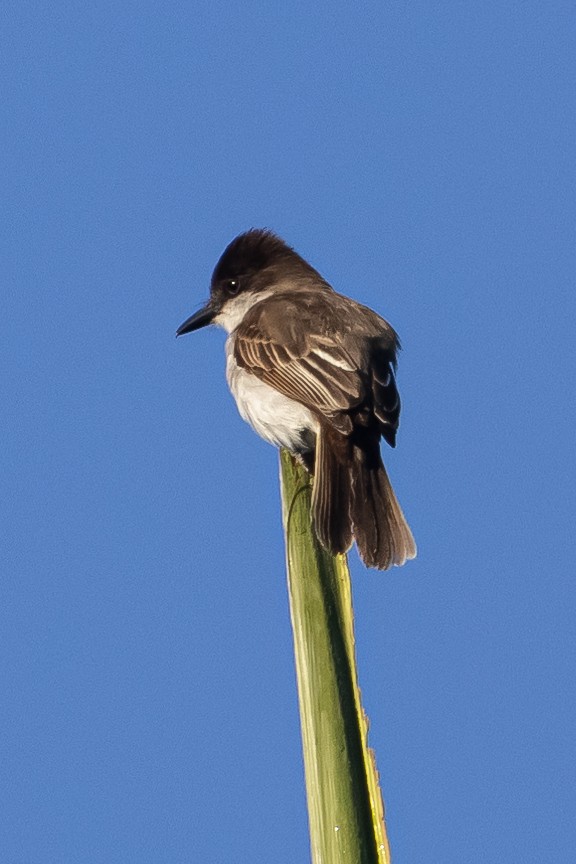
(313, 371)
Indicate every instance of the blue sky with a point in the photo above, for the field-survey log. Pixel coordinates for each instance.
(421, 156)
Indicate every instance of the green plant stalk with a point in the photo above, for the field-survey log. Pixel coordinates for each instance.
(345, 807)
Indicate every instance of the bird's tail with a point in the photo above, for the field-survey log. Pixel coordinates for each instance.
(353, 498)
(379, 526)
(332, 492)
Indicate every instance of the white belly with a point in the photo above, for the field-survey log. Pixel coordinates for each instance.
(276, 418)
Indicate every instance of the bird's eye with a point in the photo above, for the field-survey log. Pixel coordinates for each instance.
(232, 286)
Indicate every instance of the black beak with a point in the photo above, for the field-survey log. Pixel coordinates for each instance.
(199, 319)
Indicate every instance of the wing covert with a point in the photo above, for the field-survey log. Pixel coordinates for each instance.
(308, 362)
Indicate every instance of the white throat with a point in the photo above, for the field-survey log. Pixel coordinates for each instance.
(235, 308)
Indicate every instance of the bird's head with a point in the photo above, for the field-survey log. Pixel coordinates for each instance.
(254, 265)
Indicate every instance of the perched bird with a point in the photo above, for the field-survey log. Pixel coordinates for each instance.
(313, 371)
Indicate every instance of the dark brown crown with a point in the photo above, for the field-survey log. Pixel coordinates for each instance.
(251, 252)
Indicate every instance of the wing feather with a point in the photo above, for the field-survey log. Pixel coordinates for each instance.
(314, 349)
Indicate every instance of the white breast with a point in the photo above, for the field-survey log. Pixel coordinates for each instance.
(276, 418)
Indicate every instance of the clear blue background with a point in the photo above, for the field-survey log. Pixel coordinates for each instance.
(422, 156)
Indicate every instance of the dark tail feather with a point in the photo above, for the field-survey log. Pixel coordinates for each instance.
(380, 529)
(331, 494)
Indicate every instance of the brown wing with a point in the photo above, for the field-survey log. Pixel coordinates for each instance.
(315, 348)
